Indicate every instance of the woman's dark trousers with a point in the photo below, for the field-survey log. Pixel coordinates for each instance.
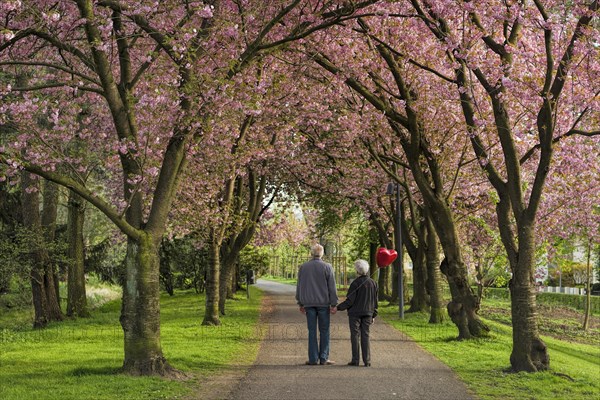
(359, 337)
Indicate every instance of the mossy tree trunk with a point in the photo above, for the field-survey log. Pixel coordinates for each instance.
(211, 307)
(140, 311)
(49, 213)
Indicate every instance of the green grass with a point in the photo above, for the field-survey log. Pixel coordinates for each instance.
(482, 363)
(278, 279)
(80, 359)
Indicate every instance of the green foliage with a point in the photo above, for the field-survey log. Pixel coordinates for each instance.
(574, 301)
(497, 293)
(10, 265)
(551, 299)
(482, 363)
(80, 359)
(501, 280)
(254, 258)
(17, 294)
(106, 259)
(182, 264)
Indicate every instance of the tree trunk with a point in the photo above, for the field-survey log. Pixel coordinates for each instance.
(464, 305)
(434, 279)
(588, 293)
(394, 268)
(225, 278)
(140, 312)
(529, 351)
(76, 298)
(419, 301)
(31, 220)
(211, 310)
(374, 270)
(384, 284)
(48, 219)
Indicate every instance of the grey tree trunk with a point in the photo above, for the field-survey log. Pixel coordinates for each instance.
(76, 296)
(529, 352)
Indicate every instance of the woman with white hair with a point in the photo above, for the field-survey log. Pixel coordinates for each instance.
(361, 303)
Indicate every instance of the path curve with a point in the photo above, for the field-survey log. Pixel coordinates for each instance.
(400, 369)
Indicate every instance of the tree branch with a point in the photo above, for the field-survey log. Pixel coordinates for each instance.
(84, 192)
(54, 66)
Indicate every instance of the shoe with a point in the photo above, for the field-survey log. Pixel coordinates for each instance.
(354, 364)
(309, 363)
(367, 364)
(327, 362)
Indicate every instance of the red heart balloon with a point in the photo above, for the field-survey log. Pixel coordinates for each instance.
(385, 256)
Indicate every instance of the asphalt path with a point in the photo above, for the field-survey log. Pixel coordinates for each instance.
(400, 368)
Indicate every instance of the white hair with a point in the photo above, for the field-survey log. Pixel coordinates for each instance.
(317, 250)
(361, 266)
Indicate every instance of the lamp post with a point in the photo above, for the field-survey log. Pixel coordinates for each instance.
(395, 189)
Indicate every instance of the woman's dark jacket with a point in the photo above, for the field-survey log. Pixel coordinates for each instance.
(361, 300)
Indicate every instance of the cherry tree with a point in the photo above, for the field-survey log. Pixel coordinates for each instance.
(513, 93)
(406, 103)
(161, 71)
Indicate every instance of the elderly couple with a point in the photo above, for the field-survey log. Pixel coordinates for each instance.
(316, 295)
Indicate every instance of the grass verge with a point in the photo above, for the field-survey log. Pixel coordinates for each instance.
(482, 363)
(278, 279)
(80, 359)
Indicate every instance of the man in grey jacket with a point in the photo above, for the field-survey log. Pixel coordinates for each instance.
(316, 295)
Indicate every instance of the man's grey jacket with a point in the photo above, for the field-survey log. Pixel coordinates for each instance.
(316, 285)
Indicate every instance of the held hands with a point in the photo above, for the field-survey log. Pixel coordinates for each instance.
(332, 310)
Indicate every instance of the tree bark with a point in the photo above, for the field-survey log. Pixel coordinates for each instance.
(140, 311)
(416, 251)
(211, 310)
(419, 301)
(31, 220)
(529, 352)
(434, 279)
(464, 305)
(225, 278)
(374, 270)
(76, 296)
(49, 213)
(588, 293)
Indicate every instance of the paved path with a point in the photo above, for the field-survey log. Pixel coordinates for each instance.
(400, 369)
